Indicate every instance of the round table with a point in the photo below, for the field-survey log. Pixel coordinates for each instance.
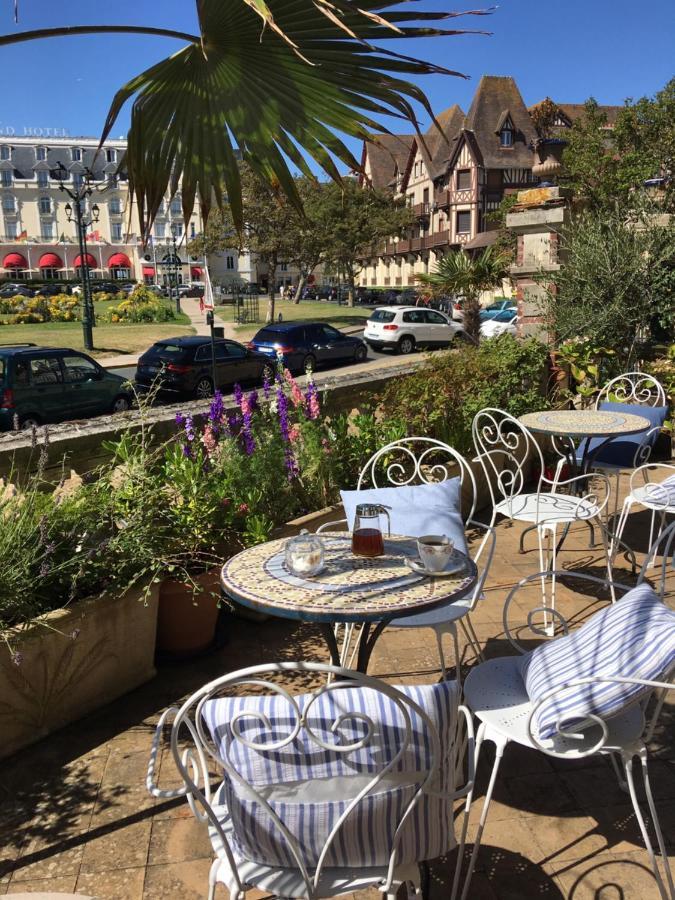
(351, 588)
(566, 424)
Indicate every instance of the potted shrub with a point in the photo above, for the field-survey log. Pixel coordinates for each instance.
(548, 147)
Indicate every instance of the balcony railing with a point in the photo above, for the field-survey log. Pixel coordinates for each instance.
(439, 238)
(403, 246)
(442, 198)
(421, 210)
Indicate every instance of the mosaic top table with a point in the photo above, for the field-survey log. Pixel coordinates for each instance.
(351, 588)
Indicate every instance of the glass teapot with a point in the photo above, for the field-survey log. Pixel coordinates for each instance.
(367, 539)
(305, 554)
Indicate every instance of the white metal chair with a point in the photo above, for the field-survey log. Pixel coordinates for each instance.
(422, 460)
(340, 783)
(653, 487)
(631, 389)
(496, 694)
(508, 452)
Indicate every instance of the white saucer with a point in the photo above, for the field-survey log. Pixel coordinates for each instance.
(454, 565)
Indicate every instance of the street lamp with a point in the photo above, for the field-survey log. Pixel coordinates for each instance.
(173, 267)
(75, 212)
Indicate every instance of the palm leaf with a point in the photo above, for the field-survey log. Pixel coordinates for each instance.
(274, 82)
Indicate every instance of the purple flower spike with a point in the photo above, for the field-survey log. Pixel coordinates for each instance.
(180, 420)
(189, 429)
(238, 394)
(266, 384)
(216, 409)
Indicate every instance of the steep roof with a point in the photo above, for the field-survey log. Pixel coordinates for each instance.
(436, 147)
(496, 100)
(572, 112)
(385, 152)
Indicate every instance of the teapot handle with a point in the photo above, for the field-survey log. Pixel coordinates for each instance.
(385, 510)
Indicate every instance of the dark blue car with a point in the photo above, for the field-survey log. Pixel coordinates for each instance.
(305, 345)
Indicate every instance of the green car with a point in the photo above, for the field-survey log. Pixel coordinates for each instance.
(43, 384)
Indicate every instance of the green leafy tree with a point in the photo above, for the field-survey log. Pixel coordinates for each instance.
(459, 273)
(618, 281)
(356, 220)
(273, 79)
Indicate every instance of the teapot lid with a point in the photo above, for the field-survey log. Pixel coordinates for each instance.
(369, 509)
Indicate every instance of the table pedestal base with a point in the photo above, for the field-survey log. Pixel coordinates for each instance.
(370, 633)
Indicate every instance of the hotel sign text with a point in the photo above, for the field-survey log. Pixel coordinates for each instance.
(30, 131)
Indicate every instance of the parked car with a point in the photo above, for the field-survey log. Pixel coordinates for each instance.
(43, 384)
(157, 289)
(458, 309)
(184, 365)
(489, 312)
(53, 290)
(307, 344)
(191, 290)
(503, 322)
(16, 290)
(404, 329)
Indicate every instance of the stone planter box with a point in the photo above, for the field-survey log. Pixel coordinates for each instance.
(61, 678)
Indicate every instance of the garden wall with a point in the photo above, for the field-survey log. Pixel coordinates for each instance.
(79, 445)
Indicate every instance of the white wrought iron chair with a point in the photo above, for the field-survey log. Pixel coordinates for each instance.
(420, 460)
(652, 486)
(319, 794)
(508, 453)
(496, 694)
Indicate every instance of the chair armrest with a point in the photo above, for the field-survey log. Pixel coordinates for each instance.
(328, 525)
(150, 782)
(457, 793)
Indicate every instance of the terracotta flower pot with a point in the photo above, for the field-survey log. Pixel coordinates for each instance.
(186, 621)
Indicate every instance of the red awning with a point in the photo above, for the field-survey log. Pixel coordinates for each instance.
(89, 260)
(50, 261)
(14, 261)
(119, 261)
(196, 272)
(148, 270)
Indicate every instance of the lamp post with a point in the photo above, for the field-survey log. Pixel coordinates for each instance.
(173, 268)
(75, 212)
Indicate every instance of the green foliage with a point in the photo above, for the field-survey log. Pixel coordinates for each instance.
(142, 305)
(468, 276)
(441, 399)
(619, 275)
(590, 366)
(33, 310)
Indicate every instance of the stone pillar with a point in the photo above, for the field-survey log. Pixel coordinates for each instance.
(537, 221)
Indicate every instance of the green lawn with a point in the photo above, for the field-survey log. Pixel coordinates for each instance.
(109, 340)
(316, 310)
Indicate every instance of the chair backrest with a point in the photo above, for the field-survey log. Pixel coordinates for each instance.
(369, 754)
(633, 387)
(663, 546)
(420, 460)
(506, 450)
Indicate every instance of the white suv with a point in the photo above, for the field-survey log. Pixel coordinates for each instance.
(402, 328)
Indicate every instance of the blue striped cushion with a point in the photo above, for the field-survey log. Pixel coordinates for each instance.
(633, 638)
(309, 787)
(662, 493)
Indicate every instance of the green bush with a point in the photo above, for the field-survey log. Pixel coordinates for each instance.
(441, 399)
(141, 306)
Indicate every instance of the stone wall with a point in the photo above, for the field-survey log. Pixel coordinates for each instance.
(80, 445)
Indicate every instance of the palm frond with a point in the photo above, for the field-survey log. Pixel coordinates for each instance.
(273, 82)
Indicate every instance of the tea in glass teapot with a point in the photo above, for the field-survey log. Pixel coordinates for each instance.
(367, 538)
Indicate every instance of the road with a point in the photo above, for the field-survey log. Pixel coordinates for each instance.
(130, 371)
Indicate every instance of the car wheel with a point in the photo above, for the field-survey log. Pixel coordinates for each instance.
(360, 355)
(122, 403)
(308, 363)
(406, 345)
(204, 389)
(29, 421)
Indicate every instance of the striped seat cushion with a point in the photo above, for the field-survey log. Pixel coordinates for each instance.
(633, 638)
(661, 494)
(309, 786)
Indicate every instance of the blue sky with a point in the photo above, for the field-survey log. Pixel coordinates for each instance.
(569, 49)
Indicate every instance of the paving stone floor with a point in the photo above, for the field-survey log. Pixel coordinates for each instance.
(75, 815)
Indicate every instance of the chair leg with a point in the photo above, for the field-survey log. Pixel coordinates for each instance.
(655, 820)
(608, 561)
(500, 746)
(472, 637)
(627, 758)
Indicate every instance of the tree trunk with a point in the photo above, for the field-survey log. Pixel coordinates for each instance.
(471, 308)
(301, 285)
(350, 286)
(271, 286)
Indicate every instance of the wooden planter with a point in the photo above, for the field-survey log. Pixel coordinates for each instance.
(73, 661)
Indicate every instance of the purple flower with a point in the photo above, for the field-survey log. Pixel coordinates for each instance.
(282, 409)
(187, 452)
(238, 394)
(266, 384)
(180, 420)
(312, 408)
(253, 401)
(216, 409)
(189, 429)
(17, 659)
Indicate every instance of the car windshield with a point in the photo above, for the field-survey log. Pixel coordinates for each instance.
(269, 336)
(506, 315)
(383, 315)
(166, 351)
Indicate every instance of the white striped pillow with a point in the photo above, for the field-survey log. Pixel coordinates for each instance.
(309, 787)
(633, 638)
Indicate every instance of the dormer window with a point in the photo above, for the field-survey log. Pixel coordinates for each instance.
(43, 178)
(111, 155)
(5, 151)
(41, 154)
(506, 130)
(506, 137)
(76, 154)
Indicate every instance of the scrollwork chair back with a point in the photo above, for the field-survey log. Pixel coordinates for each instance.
(633, 387)
(408, 754)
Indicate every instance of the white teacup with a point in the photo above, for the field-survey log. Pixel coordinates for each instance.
(435, 550)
